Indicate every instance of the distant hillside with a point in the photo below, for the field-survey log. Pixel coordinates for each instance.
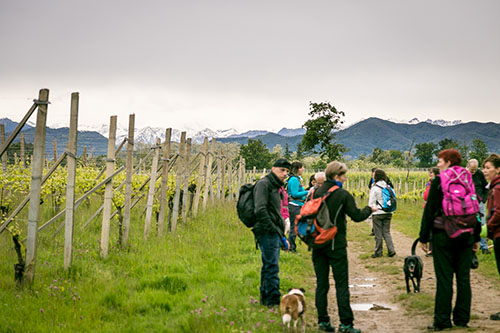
(95, 142)
(360, 138)
(364, 136)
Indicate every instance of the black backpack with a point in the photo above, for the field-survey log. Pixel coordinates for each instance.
(245, 205)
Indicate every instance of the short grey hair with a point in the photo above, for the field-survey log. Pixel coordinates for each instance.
(320, 175)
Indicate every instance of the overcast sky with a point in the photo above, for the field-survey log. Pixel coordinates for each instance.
(251, 64)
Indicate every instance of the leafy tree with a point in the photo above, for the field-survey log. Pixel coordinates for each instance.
(425, 152)
(256, 154)
(299, 154)
(479, 150)
(288, 154)
(278, 151)
(448, 144)
(325, 119)
(319, 164)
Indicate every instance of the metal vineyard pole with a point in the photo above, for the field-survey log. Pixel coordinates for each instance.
(177, 195)
(202, 174)
(164, 181)
(108, 190)
(36, 182)
(219, 166)
(186, 181)
(128, 179)
(151, 192)
(70, 187)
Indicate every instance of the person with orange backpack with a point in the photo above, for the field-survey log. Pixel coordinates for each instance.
(333, 254)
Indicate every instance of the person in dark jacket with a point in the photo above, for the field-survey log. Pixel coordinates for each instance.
(452, 256)
(491, 169)
(269, 230)
(334, 254)
(480, 184)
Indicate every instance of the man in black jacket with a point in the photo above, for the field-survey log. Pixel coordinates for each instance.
(269, 230)
(480, 184)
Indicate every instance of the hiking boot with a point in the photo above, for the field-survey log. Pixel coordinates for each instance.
(392, 254)
(435, 327)
(326, 327)
(376, 255)
(495, 316)
(485, 251)
(348, 329)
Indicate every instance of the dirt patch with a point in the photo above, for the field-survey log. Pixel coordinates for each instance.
(377, 287)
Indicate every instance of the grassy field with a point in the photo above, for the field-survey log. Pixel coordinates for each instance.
(205, 278)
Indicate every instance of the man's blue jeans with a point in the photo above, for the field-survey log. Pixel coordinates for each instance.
(483, 244)
(269, 244)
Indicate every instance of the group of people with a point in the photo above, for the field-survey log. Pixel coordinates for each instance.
(279, 196)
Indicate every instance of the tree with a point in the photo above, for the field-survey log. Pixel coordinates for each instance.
(278, 151)
(448, 144)
(320, 130)
(479, 150)
(299, 154)
(256, 154)
(288, 154)
(425, 152)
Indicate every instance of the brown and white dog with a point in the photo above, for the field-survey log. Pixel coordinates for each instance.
(293, 306)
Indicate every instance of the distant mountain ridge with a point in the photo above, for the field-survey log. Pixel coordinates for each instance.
(361, 137)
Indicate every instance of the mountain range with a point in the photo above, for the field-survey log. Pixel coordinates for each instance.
(361, 137)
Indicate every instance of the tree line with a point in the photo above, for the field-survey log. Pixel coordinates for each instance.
(319, 145)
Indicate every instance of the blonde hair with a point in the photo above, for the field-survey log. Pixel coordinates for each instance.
(335, 168)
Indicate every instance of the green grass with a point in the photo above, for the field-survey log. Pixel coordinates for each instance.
(204, 278)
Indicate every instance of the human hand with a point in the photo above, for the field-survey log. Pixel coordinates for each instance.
(423, 246)
(475, 247)
(374, 208)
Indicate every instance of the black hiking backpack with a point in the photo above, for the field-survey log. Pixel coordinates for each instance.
(245, 205)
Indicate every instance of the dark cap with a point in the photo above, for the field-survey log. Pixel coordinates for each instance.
(282, 163)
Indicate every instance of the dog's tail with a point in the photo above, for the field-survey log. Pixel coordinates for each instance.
(414, 246)
(287, 318)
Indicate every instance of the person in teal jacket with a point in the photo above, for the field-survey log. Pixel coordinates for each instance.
(296, 198)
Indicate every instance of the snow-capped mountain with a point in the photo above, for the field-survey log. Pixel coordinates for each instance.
(439, 122)
(249, 134)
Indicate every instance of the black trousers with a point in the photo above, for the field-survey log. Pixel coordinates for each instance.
(452, 257)
(496, 247)
(323, 259)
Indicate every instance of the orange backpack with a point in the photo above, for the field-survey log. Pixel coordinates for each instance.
(314, 226)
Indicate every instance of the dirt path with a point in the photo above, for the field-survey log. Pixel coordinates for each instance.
(485, 299)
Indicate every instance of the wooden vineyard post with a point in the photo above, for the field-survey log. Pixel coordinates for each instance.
(254, 171)
(151, 192)
(208, 179)
(70, 187)
(202, 176)
(230, 179)
(223, 176)
(164, 181)
(108, 191)
(23, 158)
(84, 156)
(55, 150)
(185, 180)
(4, 156)
(129, 162)
(178, 180)
(36, 182)
(219, 172)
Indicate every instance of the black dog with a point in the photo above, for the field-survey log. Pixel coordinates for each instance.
(413, 269)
